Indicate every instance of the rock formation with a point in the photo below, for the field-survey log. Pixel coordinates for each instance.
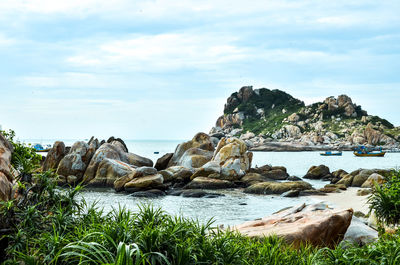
(272, 120)
(312, 224)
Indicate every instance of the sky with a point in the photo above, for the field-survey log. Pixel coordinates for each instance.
(158, 69)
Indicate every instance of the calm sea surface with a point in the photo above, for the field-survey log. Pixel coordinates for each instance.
(235, 207)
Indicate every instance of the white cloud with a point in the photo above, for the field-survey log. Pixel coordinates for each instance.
(162, 52)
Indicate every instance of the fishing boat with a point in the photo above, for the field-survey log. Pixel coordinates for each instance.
(363, 151)
(329, 153)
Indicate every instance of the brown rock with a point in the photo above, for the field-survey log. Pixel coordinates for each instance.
(372, 179)
(162, 162)
(301, 225)
(145, 183)
(54, 156)
(317, 172)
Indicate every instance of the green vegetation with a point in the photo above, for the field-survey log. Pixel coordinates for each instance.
(385, 201)
(50, 225)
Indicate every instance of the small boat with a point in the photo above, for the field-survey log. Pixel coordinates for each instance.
(156, 153)
(329, 153)
(363, 151)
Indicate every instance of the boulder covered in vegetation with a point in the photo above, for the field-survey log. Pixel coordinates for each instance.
(54, 156)
(6, 177)
(300, 225)
(193, 153)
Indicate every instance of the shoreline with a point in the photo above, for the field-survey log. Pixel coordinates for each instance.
(345, 199)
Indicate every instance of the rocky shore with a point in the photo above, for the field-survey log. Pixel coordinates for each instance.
(203, 163)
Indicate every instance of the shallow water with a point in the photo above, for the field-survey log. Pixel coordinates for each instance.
(235, 207)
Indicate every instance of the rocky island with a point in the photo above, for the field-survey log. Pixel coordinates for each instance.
(272, 120)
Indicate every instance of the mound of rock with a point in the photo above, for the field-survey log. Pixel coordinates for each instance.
(358, 177)
(318, 172)
(312, 224)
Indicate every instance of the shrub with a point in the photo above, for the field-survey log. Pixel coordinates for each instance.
(385, 199)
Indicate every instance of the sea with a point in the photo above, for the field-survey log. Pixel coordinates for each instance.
(235, 207)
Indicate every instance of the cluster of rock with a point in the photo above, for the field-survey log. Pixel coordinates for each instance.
(274, 121)
(340, 179)
(202, 163)
(6, 170)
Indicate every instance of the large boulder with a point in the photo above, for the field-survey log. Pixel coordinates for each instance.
(163, 161)
(6, 177)
(361, 177)
(116, 151)
(209, 183)
(77, 160)
(193, 153)
(313, 224)
(373, 179)
(373, 136)
(232, 156)
(109, 171)
(253, 178)
(277, 187)
(54, 156)
(317, 172)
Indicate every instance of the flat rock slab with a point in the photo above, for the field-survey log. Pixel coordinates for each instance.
(315, 224)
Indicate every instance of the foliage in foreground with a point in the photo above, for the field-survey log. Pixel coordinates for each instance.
(54, 229)
(385, 199)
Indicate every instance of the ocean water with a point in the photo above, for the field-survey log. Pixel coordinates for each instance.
(235, 207)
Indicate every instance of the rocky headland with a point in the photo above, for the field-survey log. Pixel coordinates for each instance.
(272, 120)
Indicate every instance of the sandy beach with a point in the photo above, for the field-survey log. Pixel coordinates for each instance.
(346, 199)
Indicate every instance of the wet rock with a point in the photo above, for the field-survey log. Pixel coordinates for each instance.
(153, 193)
(313, 224)
(199, 194)
(163, 161)
(277, 187)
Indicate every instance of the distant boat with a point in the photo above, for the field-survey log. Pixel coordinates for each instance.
(370, 154)
(363, 151)
(329, 153)
(156, 153)
(40, 148)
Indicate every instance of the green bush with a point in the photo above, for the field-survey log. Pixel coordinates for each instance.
(385, 199)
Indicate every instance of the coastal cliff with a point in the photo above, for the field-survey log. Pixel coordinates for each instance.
(272, 120)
